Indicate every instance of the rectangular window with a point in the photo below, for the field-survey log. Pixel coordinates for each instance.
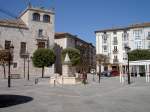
(148, 45)
(40, 33)
(115, 42)
(7, 44)
(14, 65)
(105, 48)
(148, 34)
(138, 45)
(124, 56)
(114, 32)
(104, 37)
(137, 34)
(41, 44)
(125, 36)
(23, 48)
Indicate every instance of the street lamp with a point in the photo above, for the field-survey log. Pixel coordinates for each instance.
(10, 58)
(127, 49)
(28, 76)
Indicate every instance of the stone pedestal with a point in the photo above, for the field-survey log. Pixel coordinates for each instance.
(68, 71)
(68, 74)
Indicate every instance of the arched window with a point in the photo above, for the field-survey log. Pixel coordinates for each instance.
(36, 17)
(46, 18)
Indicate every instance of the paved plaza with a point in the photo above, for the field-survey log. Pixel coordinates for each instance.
(109, 96)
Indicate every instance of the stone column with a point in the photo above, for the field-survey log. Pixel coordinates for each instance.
(137, 68)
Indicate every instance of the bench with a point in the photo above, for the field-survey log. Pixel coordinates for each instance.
(15, 76)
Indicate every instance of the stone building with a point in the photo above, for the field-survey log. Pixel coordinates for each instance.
(112, 42)
(33, 29)
(87, 50)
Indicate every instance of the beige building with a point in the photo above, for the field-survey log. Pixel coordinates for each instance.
(33, 29)
(66, 40)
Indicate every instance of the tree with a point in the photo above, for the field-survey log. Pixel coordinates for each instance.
(74, 55)
(4, 59)
(139, 54)
(84, 57)
(101, 59)
(43, 58)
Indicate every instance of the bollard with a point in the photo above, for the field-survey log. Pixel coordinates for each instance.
(36, 80)
(54, 83)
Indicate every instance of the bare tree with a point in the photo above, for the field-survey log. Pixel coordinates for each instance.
(101, 59)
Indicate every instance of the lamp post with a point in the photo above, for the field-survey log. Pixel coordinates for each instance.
(127, 49)
(11, 47)
(28, 66)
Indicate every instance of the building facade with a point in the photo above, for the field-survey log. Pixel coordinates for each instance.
(33, 29)
(87, 50)
(112, 42)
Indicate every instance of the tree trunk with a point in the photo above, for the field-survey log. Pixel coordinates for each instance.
(4, 71)
(99, 75)
(43, 72)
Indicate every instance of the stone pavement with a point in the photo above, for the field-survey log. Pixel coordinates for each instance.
(109, 96)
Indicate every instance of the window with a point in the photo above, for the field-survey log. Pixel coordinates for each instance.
(41, 44)
(105, 48)
(7, 44)
(124, 56)
(148, 34)
(115, 49)
(148, 45)
(138, 45)
(40, 33)
(36, 17)
(104, 37)
(15, 65)
(115, 42)
(46, 18)
(114, 32)
(23, 48)
(125, 36)
(137, 34)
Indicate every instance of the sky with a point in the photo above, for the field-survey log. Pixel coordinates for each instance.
(83, 17)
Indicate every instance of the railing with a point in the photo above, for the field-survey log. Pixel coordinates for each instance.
(115, 60)
(115, 51)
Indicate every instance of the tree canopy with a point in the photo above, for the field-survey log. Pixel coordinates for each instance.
(74, 55)
(43, 58)
(139, 54)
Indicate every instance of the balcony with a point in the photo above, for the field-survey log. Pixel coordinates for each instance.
(115, 51)
(115, 61)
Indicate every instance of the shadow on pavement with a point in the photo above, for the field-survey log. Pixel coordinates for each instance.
(10, 100)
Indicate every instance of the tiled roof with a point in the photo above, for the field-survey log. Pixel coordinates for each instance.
(68, 35)
(140, 25)
(13, 23)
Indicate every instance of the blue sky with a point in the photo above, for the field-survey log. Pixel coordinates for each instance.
(83, 17)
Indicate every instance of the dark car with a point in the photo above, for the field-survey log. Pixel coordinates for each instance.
(106, 73)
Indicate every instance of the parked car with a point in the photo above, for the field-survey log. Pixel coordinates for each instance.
(106, 73)
(115, 73)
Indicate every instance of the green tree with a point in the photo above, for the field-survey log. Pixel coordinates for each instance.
(139, 54)
(74, 55)
(43, 58)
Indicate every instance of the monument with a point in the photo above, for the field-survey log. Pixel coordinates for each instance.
(68, 73)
